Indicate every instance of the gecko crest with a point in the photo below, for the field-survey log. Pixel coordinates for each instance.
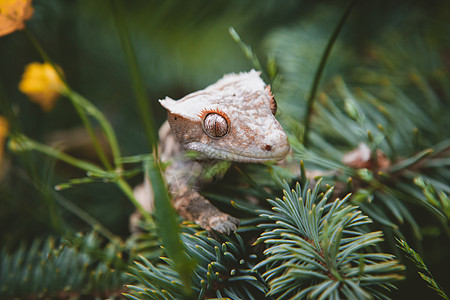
(204, 112)
(273, 102)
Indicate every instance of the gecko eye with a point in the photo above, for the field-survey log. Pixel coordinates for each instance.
(215, 125)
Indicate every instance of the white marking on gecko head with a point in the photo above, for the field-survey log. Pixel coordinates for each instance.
(232, 119)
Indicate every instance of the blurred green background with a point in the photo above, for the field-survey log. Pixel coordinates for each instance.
(183, 46)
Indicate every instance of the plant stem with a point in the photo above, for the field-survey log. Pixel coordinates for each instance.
(39, 49)
(101, 154)
(71, 95)
(22, 142)
(319, 72)
(104, 124)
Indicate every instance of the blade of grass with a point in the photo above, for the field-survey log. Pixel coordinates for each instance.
(168, 228)
(136, 77)
(320, 69)
(165, 214)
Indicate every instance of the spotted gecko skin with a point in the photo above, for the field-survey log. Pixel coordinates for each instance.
(230, 120)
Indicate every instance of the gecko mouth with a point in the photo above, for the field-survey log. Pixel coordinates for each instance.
(272, 154)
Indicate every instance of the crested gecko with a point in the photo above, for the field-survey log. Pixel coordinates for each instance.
(231, 120)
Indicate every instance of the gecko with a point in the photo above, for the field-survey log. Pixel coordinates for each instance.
(232, 120)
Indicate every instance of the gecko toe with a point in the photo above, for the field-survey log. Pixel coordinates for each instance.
(224, 224)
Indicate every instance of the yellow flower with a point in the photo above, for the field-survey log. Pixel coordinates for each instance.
(42, 84)
(12, 15)
(4, 129)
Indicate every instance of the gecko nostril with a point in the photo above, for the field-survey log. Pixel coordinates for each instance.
(267, 147)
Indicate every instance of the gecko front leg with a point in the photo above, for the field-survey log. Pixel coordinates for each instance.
(188, 203)
(184, 177)
(193, 206)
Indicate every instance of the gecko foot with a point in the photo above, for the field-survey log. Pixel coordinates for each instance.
(223, 223)
(194, 207)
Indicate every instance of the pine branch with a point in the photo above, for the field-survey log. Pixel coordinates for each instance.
(318, 250)
(77, 266)
(224, 269)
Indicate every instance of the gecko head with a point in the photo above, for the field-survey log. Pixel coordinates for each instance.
(233, 119)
